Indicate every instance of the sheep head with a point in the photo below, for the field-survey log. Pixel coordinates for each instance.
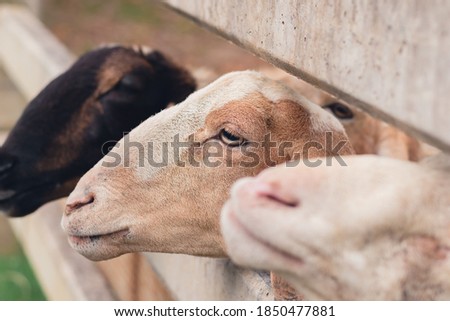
(61, 133)
(377, 229)
(161, 188)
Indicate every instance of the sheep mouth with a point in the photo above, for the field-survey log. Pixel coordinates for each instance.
(81, 240)
(18, 203)
(8, 196)
(23, 202)
(270, 247)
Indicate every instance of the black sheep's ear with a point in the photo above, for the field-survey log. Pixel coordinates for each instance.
(178, 82)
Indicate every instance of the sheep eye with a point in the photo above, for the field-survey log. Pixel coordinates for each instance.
(130, 83)
(340, 111)
(230, 139)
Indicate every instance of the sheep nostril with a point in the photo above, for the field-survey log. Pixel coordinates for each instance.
(79, 203)
(286, 202)
(274, 194)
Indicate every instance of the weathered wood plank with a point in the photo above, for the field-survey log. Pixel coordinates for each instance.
(30, 54)
(200, 278)
(387, 57)
(133, 279)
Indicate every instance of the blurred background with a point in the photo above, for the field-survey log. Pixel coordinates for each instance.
(82, 25)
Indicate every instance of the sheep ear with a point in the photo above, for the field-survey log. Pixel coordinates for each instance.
(177, 80)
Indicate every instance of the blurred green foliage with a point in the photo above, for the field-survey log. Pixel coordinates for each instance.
(17, 280)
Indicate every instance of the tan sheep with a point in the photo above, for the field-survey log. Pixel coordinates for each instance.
(175, 207)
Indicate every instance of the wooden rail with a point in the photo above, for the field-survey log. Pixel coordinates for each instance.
(199, 278)
(390, 58)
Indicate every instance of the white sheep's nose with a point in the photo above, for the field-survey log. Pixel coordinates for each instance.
(270, 191)
(274, 193)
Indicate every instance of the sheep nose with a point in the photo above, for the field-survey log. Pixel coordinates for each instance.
(74, 203)
(246, 191)
(275, 194)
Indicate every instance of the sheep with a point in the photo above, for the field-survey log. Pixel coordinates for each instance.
(60, 135)
(377, 229)
(367, 134)
(147, 198)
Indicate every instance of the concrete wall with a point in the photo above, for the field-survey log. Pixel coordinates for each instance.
(387, 57)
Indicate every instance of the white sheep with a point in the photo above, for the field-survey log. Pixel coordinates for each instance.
(375, 229)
